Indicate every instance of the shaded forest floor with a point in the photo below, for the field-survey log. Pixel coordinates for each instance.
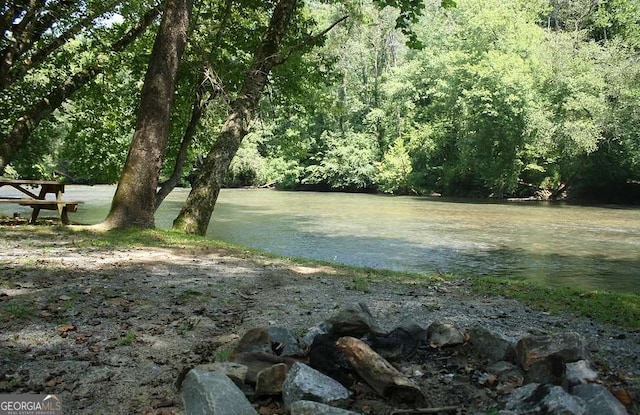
(109, 329)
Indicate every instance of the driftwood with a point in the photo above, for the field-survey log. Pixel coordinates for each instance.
(378, 373)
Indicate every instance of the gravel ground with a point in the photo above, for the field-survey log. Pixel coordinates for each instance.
(109, 331)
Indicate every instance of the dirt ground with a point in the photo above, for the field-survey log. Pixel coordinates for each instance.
(109, 331)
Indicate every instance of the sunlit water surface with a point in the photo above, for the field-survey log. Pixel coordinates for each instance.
(591, 247)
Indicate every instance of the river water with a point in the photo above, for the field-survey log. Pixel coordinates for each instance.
(556, 244)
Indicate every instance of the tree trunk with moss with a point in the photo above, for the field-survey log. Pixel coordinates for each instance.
(197, 210)
(134, 201)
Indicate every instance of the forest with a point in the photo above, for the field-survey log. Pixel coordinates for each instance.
(486, 98)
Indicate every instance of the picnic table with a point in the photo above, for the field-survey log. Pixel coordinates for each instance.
(37, 199)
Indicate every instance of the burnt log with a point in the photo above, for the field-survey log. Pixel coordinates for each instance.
(377, 372)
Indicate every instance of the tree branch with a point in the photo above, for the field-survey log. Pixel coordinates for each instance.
(310, 40)
(24, 125)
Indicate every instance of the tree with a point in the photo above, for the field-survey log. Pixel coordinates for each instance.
(336, 129)
(206, 90)
(134, 201)
(23, 112)
(196, 212)
(395, 169)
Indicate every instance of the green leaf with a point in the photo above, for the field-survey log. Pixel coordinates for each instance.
(448, 4)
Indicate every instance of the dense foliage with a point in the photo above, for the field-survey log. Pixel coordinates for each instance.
(489, 98)
(505, 98)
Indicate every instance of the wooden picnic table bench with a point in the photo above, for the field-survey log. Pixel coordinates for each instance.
(38, 201)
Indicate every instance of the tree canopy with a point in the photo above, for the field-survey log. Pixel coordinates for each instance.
(493, 98)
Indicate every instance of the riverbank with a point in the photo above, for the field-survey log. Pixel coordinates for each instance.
(109, 321)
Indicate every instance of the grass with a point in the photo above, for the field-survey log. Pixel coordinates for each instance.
(191, 296)
(223, 354)
(127, 339)
(359, 283)
(17, 310)
(145, 237)
(622, 309)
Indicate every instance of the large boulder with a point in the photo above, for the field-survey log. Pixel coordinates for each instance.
(234, 371)
(270, 380)
(441, 334)
(400, 343)
(491, 344)
(580, 372)
(570, 346)
(283, 342)
(254, 340)
(599, 400)
(355, 320)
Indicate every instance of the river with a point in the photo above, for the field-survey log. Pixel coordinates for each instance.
(556, 244)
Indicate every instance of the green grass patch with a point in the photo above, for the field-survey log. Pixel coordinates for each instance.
(191, 295)
(17, 310)
(359, 283)
(127, 339)
(223, 354)
(163, 238)
(622, 309)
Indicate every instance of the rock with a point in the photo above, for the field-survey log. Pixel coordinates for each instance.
(213, 393)
(416, 330)
(307, 340)
(506, 372)
(234, 371)
(269, 381)
(538, 399)
(580, 372)
(254, 340)
(444, 334)
(306, 383)
(257, 362)
(283, 342)
(491, 344)
(400, 343)
(508, 376)
(315, 408)
(503, 367)
(570, 346)
(550, 369)
(598, 400)
(355, 321)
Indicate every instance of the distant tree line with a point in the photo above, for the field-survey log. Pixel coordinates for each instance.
(501, 99)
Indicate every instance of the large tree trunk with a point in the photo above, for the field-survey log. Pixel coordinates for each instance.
(198, 208)
(24, 126)
(134, 202)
